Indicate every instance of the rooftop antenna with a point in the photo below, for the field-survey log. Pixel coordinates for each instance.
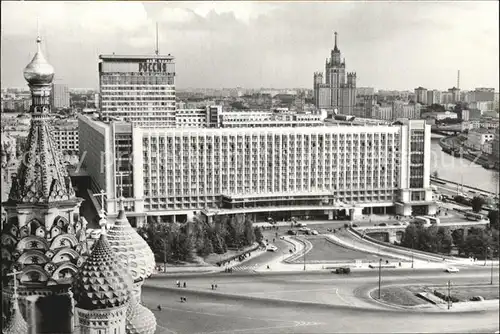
(157, 51)
(458, 80)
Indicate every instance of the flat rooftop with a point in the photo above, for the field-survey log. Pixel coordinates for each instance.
(135, 57)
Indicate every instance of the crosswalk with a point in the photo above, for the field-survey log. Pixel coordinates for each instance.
(245, 267)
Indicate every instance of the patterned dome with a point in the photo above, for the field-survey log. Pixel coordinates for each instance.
(131, 248)
(140, 320)
(16, 323)
(39, 71)
(102, 281)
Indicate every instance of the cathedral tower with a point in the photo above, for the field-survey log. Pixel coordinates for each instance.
(102, 292)
(44, 236)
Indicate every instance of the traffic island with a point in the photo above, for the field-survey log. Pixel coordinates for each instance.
(462, 296)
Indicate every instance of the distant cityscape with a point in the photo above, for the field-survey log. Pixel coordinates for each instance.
(126, 208)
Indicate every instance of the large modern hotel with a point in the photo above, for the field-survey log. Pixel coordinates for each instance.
(277, 165)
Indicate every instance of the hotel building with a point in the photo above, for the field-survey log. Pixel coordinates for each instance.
(139, 89)
(320, 171)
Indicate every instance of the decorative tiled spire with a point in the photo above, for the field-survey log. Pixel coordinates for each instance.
(42, 176)
(335, 48)
(102, 281)
(16, 323)
(140, 320)
(131, 247)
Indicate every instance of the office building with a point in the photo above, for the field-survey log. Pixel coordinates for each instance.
(421, 95)
(455, 94)
(66, 136)
(335, 93)
(304, 170)
(139, 89)
(433, 97)
(60, 96)
(483, 95)
(463, 114)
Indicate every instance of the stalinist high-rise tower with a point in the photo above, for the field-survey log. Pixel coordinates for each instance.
(334, 91)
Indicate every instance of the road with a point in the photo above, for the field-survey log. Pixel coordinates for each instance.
(305, 303)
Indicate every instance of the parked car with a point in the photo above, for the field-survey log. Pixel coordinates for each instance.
(354, 225)
(382, 224)
(292, 232)
(304, 229)
(452, 270)
(397, 224)
(301, 225)
(343, 270)
(314, 232)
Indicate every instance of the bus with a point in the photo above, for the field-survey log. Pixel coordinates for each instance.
(434, 220)
(422, 221)
(474, 216)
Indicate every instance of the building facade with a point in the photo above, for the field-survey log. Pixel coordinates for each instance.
(433, 96)
(66, 137)
(421, 95)
(338, 90)
(60, 96)
(476, 138)
(175, 172)
(139, 89)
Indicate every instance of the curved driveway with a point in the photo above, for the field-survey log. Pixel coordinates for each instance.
(306, 303)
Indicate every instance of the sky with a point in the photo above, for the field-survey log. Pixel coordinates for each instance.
(390, 45)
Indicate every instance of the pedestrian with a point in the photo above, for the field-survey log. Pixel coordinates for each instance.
(184, 284)
(212, 286)
(178, 284)
(215, 286)
(159, 307)
(274, 240)
(268, 267)
(400, 264)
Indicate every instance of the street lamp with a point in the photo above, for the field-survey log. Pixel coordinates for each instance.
(491, 274)
(449, 294)
(379, 276)
(304, 257)
(412, 243)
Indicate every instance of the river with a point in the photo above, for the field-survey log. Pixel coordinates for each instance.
(459, 170)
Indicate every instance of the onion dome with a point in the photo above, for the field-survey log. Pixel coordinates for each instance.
(140, 320)
(39, 71)
(131, 248)
(16, 323)
(102, 281)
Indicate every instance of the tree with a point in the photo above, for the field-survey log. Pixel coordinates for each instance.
(249, 235)
(477, 203)
(444, 240)
(494, 219)
(258, 234)
(410, 237)
(476, 243)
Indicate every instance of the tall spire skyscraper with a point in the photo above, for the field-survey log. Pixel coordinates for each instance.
(336, 92)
